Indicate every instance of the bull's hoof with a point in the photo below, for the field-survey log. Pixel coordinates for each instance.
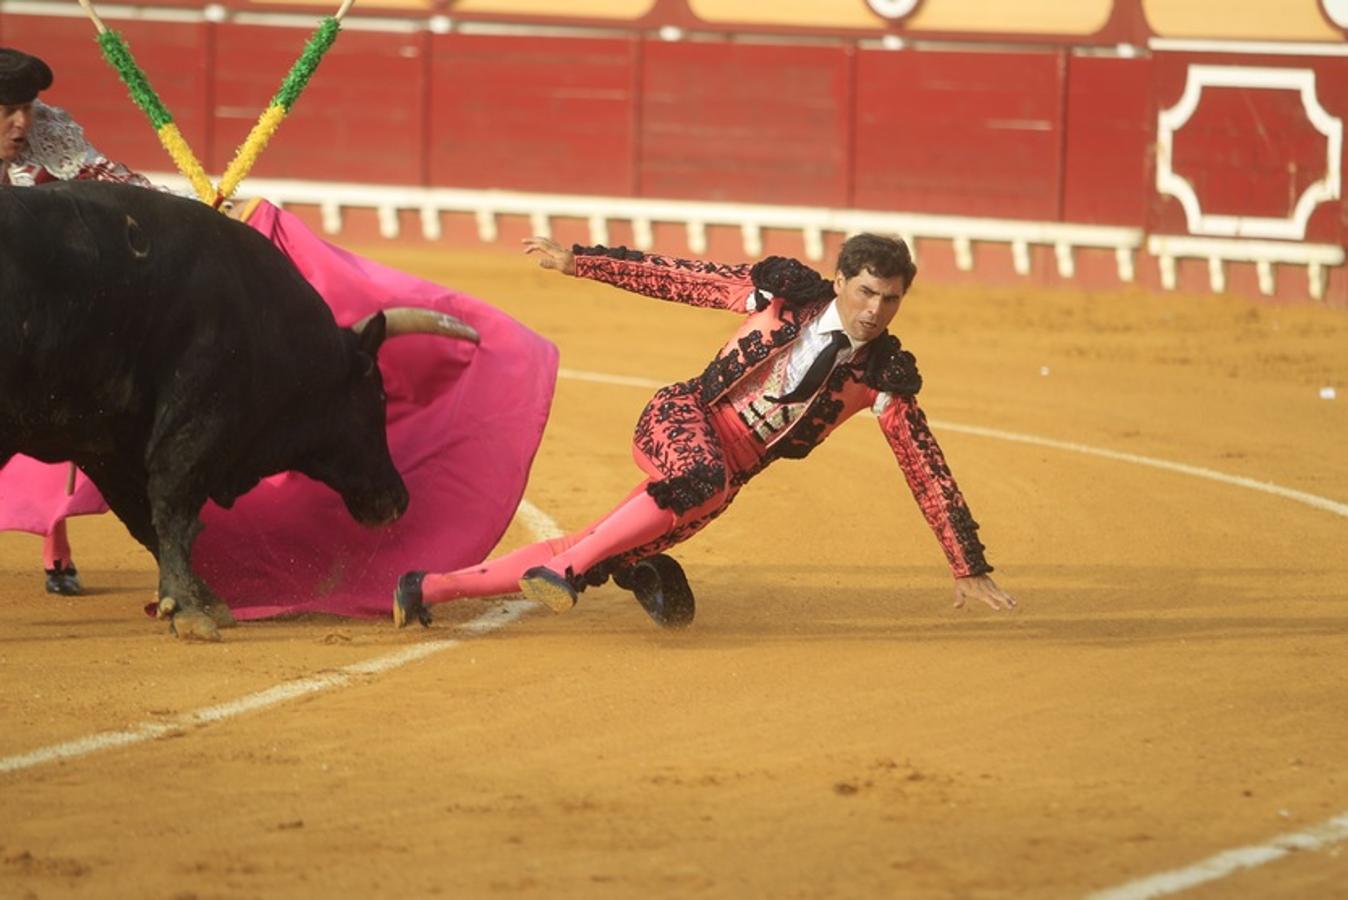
(221, 615)
(194, 625)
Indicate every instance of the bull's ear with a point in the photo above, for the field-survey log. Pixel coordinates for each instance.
(371, 332)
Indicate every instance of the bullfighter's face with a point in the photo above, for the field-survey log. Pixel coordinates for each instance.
(14, 124)
(868, 303)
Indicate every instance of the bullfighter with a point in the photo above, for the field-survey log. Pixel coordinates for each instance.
(811, 353)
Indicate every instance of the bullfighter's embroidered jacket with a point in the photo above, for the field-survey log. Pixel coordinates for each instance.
(780, 297)
(56, 150)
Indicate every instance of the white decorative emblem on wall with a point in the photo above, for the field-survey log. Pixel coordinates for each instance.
(1337, 10)
(892, 9)
(1171, 120)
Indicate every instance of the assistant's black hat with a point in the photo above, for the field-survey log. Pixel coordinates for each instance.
(21, 77)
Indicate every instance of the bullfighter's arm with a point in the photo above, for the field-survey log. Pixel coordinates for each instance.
(932, 484)
(99, 168)
(693, 282)
(58, 145)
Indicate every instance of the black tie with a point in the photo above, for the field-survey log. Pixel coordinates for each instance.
(818, 370)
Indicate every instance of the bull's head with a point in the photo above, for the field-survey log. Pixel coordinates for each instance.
(358, 465)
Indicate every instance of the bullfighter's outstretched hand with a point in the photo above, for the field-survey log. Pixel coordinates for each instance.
(552, 255)
(982, 587)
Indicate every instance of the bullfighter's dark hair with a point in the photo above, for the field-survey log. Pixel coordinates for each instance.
(882, 256)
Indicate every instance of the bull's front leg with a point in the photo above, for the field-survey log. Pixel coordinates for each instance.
(194, 610)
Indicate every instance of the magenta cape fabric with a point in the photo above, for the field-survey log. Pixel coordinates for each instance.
(33, 496)
(464, 423)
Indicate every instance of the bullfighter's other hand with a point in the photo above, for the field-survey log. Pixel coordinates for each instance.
(982, 587)
(552, 255)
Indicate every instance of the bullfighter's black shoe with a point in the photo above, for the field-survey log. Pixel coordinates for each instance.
(64, 580)
(662, 590)
(407, 604)
(542, 585)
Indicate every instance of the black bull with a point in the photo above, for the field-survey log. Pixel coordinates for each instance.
(177, 356)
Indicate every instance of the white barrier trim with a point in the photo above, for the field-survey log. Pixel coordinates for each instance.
(598, 212)
(1264, 254)
(1172, 120)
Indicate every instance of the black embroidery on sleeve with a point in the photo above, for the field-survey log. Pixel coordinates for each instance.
(796, 283)
(892, 369)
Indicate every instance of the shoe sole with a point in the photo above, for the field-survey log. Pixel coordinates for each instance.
(411, 607)
(404, 613)
(547, 592)
(663, 592)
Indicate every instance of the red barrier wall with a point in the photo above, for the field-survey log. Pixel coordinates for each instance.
(555, 115)
(756, 123)
(1041, 133)
(971, 134)
(1110, 126)
(360, 119)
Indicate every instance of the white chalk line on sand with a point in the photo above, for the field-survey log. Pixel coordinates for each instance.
(1228, 862)
(1267, 487)
(534, 519)
(542, 526)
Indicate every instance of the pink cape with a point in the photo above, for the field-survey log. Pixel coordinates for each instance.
(464, 423)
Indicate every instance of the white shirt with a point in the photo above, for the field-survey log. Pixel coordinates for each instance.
(811, 343)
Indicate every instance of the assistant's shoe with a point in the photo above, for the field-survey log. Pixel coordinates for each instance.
(542, 585)
(64, 580)
(662, 590)
(407, 602)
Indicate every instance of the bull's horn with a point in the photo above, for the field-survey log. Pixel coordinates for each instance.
(416, 320)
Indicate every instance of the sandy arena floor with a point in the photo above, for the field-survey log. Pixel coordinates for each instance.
(1172, 687)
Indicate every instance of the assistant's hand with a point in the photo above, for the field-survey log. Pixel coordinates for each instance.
(982, 587)
(552, 255)
(235, 209)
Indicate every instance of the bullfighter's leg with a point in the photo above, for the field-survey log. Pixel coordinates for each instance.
(502, 575)
(636, 520)
(689, 485)
(57, 563)
(677, 445)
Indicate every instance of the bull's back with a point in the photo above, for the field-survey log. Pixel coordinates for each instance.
(111, 294)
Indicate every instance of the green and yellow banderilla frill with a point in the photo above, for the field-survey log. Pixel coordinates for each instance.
(270, 120)
(119, 56)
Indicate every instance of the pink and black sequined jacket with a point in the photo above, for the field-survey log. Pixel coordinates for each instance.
(881, 376)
